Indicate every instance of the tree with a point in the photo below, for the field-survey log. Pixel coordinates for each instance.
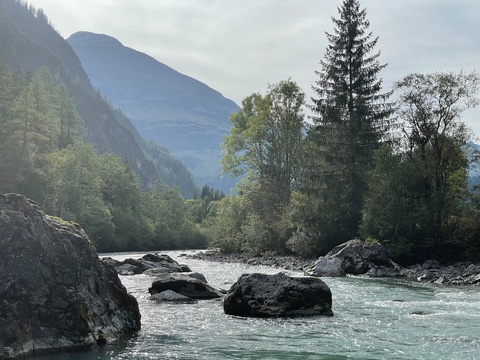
(428, 180)
(265, 144)
(350, 119)
(75, 191)
(122, 195)
(8, 151)
(435, 140)
(70, 122)
(226, 230)
(168, 214)
(31, 128)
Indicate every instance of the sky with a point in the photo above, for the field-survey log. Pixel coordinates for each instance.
(239, 47)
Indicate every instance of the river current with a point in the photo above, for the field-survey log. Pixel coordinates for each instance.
(374, 319)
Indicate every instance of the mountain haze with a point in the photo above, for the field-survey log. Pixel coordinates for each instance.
(174, 110)
(28, 42)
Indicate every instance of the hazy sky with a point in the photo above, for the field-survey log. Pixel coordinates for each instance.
(238, 47)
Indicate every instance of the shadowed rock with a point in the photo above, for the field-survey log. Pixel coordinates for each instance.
(261, 295)
(55, 292)
(149, 264)
(185, 284)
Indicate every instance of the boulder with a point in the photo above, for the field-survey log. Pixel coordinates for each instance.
(160, 263)
(326, 267)
(186, 284)
(56, 294)
(171, 297)
(128, 269)
(279, 295)
(354, 257)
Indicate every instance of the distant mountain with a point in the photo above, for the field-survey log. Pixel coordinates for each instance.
(174, 110)
(474, 170)
(28, 42)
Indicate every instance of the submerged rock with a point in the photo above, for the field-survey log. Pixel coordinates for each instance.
(185, 284)
(261, 295)
(55, 292)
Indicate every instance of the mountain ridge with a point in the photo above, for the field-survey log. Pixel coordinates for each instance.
(172, 109)
(28, 42)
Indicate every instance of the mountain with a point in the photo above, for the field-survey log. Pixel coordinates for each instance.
(474, 169)
(174, 110)
(28, 42)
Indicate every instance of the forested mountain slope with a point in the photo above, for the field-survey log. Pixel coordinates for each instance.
(174, 110)
(28, 41)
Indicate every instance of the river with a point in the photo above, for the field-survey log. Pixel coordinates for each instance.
(374, 319)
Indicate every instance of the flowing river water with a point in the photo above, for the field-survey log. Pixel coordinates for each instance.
(374, 319)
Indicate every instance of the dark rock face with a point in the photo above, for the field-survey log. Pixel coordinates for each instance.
(261, 295)
(355, 257)
(185, 284)
(456, 274)
(55, 294)
(150, 264)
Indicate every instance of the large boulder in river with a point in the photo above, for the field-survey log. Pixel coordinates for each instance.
(186, 284)
(279, 295)
(55, 293)
(355, 257)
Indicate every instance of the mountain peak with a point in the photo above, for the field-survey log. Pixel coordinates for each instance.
(93, 38)
(176, 111)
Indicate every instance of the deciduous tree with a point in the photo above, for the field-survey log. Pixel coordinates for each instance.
(265, 144)
(428, 178)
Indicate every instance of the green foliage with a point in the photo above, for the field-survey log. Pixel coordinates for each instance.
(43, 157)
(31, 126)
(210, 194)
(350, 118)
(348, 176)
(172, 227)
(466, 234)
(226, 231)
(265, 143)
(75, 191)
(416, 190)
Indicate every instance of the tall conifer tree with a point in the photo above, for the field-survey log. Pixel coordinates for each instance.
(350, 119)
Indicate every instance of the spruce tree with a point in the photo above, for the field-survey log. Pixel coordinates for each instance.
(350, 117)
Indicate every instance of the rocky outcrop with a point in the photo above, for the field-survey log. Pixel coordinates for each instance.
(261, 295)
(172, 297)
(455, 274)
(55, 293)
(185, 284)
(280, 262)
(356, 257)
(150, 264)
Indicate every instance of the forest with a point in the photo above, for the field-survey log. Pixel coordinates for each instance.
(362, 166)
(390, 167)
(43, 156)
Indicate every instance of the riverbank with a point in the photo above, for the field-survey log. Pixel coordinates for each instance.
(463, 273)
